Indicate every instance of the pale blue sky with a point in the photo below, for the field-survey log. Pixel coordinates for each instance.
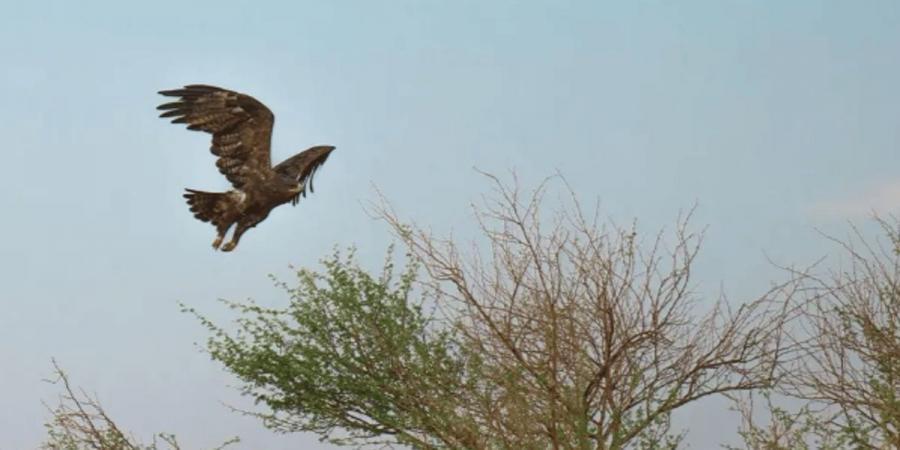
(775, 117)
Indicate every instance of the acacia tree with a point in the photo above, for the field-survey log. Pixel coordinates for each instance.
(784, 428)
(848, 365)
(558, 333)
(79, 422)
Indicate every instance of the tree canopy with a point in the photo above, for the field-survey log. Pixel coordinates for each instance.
(568, 335)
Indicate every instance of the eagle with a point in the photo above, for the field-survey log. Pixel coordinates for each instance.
(241, 129)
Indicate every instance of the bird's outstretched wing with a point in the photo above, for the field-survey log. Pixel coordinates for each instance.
(303, 166)
(240, 125)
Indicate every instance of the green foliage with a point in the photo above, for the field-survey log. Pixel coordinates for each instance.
(803, 429)
(654, 434)
(875, 337)
(350, 352)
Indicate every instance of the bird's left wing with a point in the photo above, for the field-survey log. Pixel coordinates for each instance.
(241, 127)
(303, 166)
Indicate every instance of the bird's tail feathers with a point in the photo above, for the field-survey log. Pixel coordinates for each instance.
(209, 206)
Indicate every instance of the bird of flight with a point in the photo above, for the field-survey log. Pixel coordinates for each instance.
(241, 129)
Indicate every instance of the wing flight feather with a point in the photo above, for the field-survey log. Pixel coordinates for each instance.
(241, 128)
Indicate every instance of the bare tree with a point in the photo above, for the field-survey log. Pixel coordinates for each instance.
(586, 336)
(849, 342)
(79, 422)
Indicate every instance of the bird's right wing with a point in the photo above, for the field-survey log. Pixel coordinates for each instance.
(240, 125)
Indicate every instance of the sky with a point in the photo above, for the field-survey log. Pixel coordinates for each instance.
(778, 120)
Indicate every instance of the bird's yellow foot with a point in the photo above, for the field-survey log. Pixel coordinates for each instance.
(217, 242)
(229, 246)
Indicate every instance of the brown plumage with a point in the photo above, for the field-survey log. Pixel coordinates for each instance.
(241, 129)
